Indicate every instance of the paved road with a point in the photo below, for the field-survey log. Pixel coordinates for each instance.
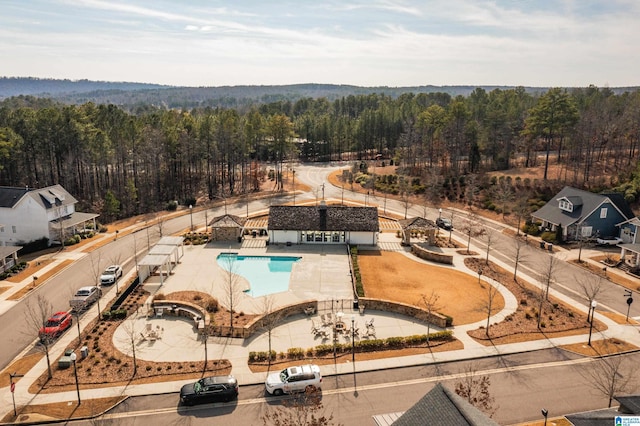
(522, 384)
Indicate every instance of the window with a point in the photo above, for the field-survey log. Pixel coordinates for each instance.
(13, 229)
(603, 213)
(565, 205)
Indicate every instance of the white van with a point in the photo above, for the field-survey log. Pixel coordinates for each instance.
(294, 379)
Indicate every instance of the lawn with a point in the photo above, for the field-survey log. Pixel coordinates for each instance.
(396, 277)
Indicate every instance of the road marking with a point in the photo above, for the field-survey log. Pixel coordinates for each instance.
(422, 380)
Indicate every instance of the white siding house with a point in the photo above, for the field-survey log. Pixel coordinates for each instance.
(323, 224)
(32, 214)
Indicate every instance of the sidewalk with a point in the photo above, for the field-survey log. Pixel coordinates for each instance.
(179, 338)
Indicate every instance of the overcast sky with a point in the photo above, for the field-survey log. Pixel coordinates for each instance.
(359, 42)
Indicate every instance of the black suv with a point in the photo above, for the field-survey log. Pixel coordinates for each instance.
(209, 389)
(444, 223)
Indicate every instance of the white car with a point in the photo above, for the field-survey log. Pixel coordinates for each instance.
(608, 241)
(294, 379)
(111, 275)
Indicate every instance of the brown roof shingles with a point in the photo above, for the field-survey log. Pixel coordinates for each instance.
(323, 218)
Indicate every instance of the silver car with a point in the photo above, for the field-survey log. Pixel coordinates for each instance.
(294, 379)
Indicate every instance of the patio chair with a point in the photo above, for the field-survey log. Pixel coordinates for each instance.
(370, 323)
(329, 318)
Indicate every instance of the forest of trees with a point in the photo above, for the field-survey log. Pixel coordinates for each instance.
(147, 157)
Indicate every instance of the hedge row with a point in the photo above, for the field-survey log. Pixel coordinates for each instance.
(360, 346)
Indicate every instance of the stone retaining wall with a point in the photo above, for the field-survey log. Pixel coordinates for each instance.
(425, 254)
(435, 318)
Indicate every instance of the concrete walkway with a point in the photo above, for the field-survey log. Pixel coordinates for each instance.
(324, 274)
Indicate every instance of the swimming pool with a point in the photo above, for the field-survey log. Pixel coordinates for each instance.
(266, 274)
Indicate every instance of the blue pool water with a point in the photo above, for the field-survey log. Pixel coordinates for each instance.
(266, 274)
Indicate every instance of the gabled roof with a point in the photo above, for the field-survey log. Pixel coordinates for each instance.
(584, 203)
(228, 221)
(9, 196)
(48, 197)
(443, 407)
(417, 223)
(323, 218)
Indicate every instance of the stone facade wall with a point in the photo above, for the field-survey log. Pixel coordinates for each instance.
(225, 234)
(425, 254)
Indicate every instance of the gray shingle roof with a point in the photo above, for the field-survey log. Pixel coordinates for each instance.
(443, 407)
(228, 221)
(323, 218)
(9, 196)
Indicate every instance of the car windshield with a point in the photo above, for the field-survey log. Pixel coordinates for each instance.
(83, 293)
(53, 323)
(110, 272)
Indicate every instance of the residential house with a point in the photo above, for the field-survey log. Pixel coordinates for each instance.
(32, 214)
(583, 214)
(323, 224)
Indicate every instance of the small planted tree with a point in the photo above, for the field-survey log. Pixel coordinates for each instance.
(431, 305)
(304, 409)
(36, 316)
(474, 388)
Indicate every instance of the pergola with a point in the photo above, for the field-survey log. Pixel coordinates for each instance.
(161, 258)
(419, 224)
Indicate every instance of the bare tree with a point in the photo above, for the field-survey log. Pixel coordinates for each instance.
(548, 273)
(471, 228)
(518, 255)
(405, 193)
(475, 389)
(590, 287)
(610, 376)
(487, 305)
(36, 316)
(96, 271)
(270, 320)
(489, 238)
(132, 332)
(431, 305)
(546, 276)
(232, 284)
(304, 409)
(160, 223)
(521, 209)
(503, 193)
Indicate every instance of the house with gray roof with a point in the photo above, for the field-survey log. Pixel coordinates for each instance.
(575, 210)
(323, 224)
(30, 214)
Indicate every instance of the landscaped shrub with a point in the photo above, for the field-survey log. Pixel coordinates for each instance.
(416, 339)
(212, 305)
(371, 345)
(395, 342)
(324, 349)
(548, 236)
(444, 335)
(295, 353)
(172, 206)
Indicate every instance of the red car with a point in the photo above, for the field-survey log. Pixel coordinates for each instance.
(56, 325)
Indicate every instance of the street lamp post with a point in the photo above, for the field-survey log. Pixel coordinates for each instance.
(191, 214)
(593, 311)
(479, 274)
(439, 213)
(545, 413)
(73, 357)
(451, 226)
(353, 344)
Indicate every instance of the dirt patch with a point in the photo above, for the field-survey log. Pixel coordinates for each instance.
(32, 267)
(601, 347)
(395, 277)
(557, 319)
(61, 410)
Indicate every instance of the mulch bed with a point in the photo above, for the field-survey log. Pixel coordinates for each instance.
(558, 319)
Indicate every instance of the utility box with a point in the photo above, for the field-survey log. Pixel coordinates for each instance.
(65, 360)
(84, 352)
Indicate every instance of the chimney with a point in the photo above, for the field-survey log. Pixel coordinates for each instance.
(322, 211)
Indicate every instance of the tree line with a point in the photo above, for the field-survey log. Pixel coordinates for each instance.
(140, 160)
